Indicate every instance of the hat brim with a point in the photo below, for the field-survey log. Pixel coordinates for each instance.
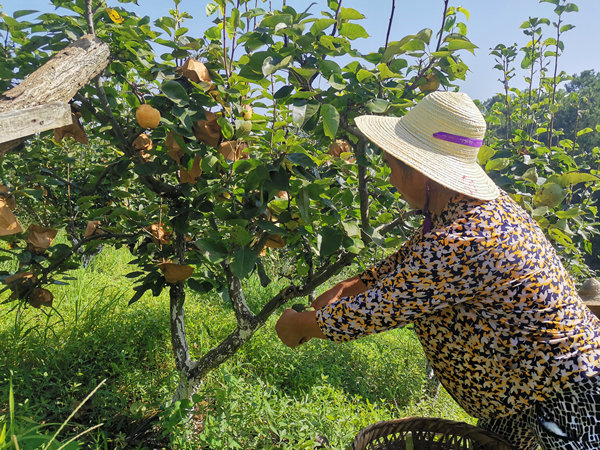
(455, 173)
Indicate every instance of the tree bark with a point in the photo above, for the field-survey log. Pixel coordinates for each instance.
(58, 80)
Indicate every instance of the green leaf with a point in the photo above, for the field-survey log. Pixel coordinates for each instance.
(363, 74)
(301, 159)
(337, 81)
(485, 153)
(350, 14)
(353, 31)
(330, 240)
(571, 178)
(175, 92)
(303, 202)
(497, 164)
(283, 91)
(243, 262)
(320, 25)
(377, 106)
(331, 120)
(302, 111)
(425, 35)
(460, 44)
(226, 128)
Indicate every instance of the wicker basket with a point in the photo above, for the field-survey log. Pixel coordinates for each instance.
(426, 433)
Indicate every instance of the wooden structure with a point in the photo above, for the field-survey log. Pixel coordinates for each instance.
(41, 101)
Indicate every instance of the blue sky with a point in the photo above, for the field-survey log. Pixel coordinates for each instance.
(491, 22)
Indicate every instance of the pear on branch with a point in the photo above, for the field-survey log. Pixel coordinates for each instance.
(175, 151)
(208, 130)
(174, 273)
(40, 297)
(8, 222)
(74, 130)
(190, 176)
(39, 238)
(20, 283)
(142, 144)
(158, 233)
(195, 71)
(92, 228)
(234, 150)
(147, 116)
(7, 196)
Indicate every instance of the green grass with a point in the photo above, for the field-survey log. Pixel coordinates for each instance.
(266, 396)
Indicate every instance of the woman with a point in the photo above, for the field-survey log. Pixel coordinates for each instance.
(497, 314)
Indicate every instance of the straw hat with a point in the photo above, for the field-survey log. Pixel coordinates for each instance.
(440, 137)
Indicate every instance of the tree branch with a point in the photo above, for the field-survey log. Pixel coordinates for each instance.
(387, 36)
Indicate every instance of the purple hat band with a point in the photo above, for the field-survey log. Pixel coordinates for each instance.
(456, 139)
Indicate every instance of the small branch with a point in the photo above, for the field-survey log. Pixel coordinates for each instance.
(89, 16)
(439, 42)
(387, 36)
(337, 13)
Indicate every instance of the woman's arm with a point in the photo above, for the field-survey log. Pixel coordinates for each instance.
(347, 288)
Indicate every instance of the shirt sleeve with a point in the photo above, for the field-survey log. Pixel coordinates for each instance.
(380, 270)
(434, 273)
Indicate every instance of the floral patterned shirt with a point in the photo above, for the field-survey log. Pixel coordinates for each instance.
(498, 316)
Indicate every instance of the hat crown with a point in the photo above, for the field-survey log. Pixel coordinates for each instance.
(447, 112)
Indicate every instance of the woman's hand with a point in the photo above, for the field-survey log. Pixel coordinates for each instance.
(295, 328)
(288, 329)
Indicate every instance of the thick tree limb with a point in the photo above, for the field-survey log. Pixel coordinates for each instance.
(58, 80)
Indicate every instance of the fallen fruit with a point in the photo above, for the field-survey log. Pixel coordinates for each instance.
(147, 116)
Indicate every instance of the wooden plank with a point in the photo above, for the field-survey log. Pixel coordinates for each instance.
(28, 121)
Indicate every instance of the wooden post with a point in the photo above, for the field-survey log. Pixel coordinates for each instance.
(57, 81)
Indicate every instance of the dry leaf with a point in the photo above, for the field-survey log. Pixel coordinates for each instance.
(75, 131)
(39, 238)
(8, 221)
(40, 297)
(195, 71)
(159, 235)
(174, 273)
(209, 130)
(7, 196)
(92, 228)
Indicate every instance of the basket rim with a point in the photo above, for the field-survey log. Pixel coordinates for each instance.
(430, 424)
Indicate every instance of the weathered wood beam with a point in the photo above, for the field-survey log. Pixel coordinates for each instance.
(28, 121)
(58, 80)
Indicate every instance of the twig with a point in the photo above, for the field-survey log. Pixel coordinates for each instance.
(89, 15)
(439, 43)
(337, 13)
(387, 36)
